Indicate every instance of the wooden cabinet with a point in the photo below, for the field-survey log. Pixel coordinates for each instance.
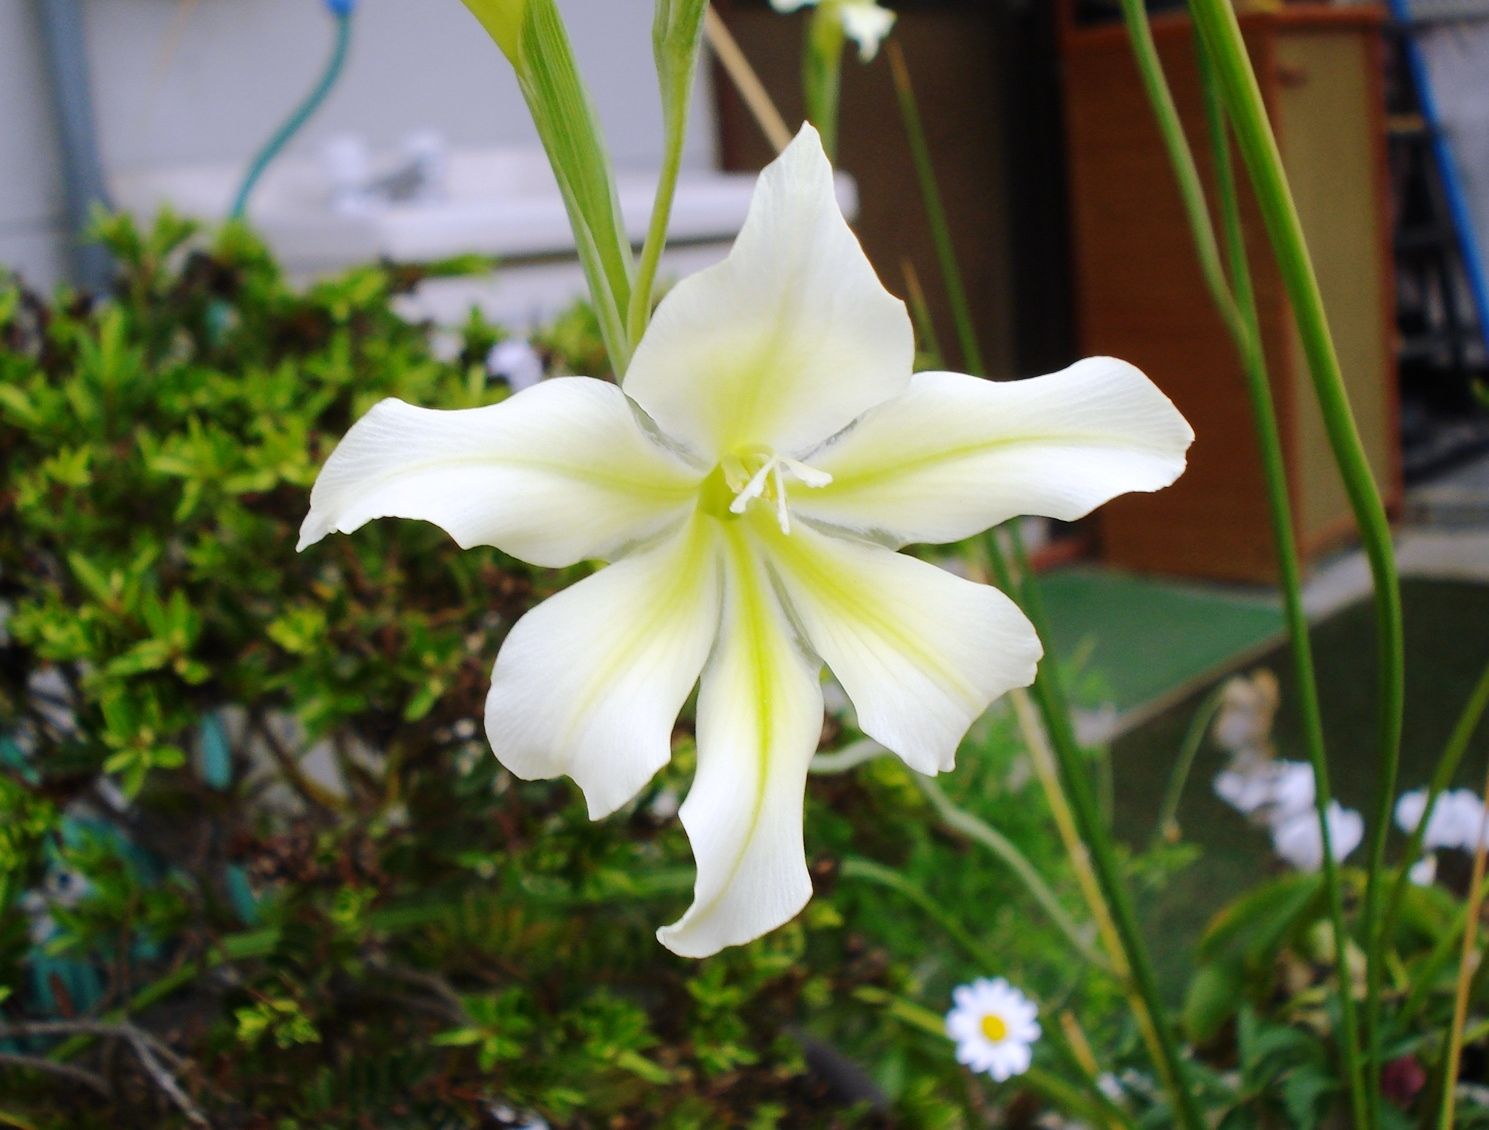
(1140, 295)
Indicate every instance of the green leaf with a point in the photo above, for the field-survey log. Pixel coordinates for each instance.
(1211, 999)
(569, 130)
(1255, 926)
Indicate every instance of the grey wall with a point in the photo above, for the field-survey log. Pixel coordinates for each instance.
(181, 81)
(30, 177)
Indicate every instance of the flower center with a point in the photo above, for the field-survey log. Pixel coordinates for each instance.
(994, 1028)
(758, 473)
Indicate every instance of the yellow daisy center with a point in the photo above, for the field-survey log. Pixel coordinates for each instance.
(994, 1028)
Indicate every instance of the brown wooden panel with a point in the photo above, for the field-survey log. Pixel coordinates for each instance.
(954, 57)
(1141, 294)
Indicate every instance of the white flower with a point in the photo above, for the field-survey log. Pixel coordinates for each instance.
(516, 362)
(770, 452)
(1424, 871)
(1456, 822)
(994, 1028)
(1297, 838)
(1243, 724)
(864, 21)
(1269, 791)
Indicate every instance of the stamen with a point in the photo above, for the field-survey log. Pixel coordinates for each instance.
(769, 482)
(807, 476)
(754, 488)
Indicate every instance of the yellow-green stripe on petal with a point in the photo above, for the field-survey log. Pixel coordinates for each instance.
(920, 652)
(956, 454)
(759, 721)
(558, 473)
(589, 683)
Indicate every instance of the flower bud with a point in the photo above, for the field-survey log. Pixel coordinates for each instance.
(502, 20)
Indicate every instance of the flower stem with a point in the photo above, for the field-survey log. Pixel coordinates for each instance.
(1442, 777)
(1220, 31)
(676, 39)
(1181, 158)
(1049, 694)
(868, 871)
(1095, 844)
(935, 212)
(1166, 827)
(1466, 968)
(979, 831)
(822, 74)
(1274, 472)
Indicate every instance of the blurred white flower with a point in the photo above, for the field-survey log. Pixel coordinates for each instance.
(1268, 791)
(770, 452)
(516, 362)
(1243, 723)
(864, 21)
(994, 1027)
(1297, 838)
(1456, 822)
(1424, 871)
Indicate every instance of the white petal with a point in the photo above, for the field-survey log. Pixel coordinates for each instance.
(560, 472)
(956, 455)
(1409, 808)
(759, 722)
(866, 24)
(1298, 840)
(920, 652)
(589, 683)
(786, 341)
(1424, 871)
(1010, 1059)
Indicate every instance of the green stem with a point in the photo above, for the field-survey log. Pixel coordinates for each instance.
(677, 34)
(822, 74)
(868, 871)
(1166, 828)
(1274, 472)
(1221, 32)
(1048, 691)
(1442, 777)
(656, 235)
(968, 825)
(935, 212)
(1467, 970)
(1424, 973)
(1181, 158)
(1049, 694)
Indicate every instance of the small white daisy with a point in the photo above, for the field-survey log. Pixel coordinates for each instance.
(994, 1027)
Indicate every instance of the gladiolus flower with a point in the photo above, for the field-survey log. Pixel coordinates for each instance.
(750, 487)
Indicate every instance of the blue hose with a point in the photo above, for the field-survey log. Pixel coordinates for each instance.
(1442, 152)
(341, 11)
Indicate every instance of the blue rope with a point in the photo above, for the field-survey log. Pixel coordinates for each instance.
(341, 11)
